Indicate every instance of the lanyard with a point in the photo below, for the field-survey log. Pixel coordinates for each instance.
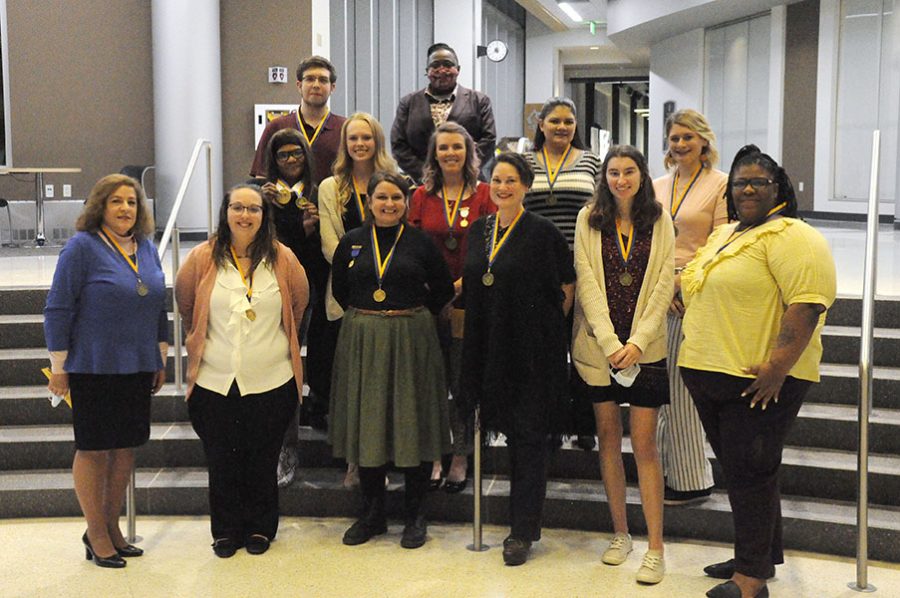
(735, 235)
(359, 201)
(495, 245)
(318, 127)
(677, 201)
(134, 264)
(624, 251)
(249, 285)
(452, 214)
(553, 171)
(381, 266)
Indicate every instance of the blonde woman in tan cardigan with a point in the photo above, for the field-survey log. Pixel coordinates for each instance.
(242, 295)
(624, 247)
(693, 193)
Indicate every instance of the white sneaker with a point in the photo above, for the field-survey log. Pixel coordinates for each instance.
(618, 550)
(653, 567)
(287, 467)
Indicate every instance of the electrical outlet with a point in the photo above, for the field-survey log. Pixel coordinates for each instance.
(800, 187)
(48, 191)
(67, 190)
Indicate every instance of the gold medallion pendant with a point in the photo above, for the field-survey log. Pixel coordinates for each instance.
(626, 279)
(251, 315)
(284, 196)
(379, 295)
(464, 223)
(488, 279)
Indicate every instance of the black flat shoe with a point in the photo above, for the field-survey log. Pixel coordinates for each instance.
(110, 562)
(130, 550)
(451, 487)
(435, 485)
(257, 544)
(414, 533)
(725, 570)
(225, 547)
(362, 531)
(729, 589)
(515, 551)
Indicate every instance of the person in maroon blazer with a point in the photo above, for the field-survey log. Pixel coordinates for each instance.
(420, 113)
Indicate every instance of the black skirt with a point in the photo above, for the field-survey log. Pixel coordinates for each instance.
(650, 388)
(111, 411)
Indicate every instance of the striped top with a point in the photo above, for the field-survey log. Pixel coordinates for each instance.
(573, 189)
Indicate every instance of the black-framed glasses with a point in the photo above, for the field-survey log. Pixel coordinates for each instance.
(756, 183)
(237, 208)
(447, 64)
(310, 79)
(297, 154)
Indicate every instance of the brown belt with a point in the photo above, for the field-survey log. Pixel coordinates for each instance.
(390, 313)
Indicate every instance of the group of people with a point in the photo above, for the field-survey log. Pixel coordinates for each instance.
(566, 280)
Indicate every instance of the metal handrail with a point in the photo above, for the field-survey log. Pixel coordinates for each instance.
(130, 498)
(865, 378)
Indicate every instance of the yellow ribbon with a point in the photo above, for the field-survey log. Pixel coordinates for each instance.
(359, 201)
(624, 251)
(241, 272)
(553, 171)
(451, 216)
(495, 246)
(318, 127)
(382, 266)
(133, 264)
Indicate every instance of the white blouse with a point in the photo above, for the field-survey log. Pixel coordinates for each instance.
(255, 353)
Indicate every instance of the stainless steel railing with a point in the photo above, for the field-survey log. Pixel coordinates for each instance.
(865, 378)
(171, 232)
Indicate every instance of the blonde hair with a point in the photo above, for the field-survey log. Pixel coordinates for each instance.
(343, 164)
(91, 217)
(697, 123)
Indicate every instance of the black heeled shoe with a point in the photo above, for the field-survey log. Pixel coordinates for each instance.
(110, 562)
(130, 550)
(453, 487)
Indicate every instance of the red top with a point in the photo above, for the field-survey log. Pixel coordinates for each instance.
(426, 212)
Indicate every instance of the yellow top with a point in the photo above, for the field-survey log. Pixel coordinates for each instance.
(736, 296)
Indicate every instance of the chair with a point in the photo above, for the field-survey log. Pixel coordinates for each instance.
(5, 204)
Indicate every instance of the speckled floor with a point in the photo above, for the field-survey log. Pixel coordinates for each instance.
(44, 558)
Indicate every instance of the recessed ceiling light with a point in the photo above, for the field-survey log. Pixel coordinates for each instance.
(595, 47)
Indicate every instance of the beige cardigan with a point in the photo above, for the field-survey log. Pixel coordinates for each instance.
(593, 336)
(331, 229)
(193, 288)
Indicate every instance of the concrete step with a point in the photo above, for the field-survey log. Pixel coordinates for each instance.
(809, 524)
(22, 367)
(840, 386)
(33, 300)
(812, 472)
(841, 345)
(27, 331)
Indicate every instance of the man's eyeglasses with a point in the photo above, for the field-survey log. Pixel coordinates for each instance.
(757, 183)
(236, 208)
(309, 79)
(447, 64)
(297, 154)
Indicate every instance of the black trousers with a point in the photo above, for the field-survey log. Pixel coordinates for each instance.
(748, 444)
(528, 447)
(242, 439)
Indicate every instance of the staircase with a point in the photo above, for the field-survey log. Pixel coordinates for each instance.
(818, 475)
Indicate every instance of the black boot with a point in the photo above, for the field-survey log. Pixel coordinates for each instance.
(416, 529)
(373, 521)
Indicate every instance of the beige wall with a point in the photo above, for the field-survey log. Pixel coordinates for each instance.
(80, 89)
(255, 36)
(801, 51)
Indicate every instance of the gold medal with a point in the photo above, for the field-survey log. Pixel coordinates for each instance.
(284, 196)
(551, 201)
(451, 243)
(464, 212)
(626, 279)
(379, 295)
(251, 315)
(303, 203)
(488, 279)
(142, 289)
(350, 265)
(464, 223)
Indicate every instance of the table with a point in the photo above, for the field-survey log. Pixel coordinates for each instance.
(39, 238)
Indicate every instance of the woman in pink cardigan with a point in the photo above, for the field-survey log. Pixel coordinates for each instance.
(242, 295)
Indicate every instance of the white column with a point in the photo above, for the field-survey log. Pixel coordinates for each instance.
(187, 104)
(463, 35)
(321, 28)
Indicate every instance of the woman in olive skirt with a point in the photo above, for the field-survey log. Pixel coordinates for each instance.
(388, 391)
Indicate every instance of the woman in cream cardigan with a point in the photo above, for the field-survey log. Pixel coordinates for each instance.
(624, 252)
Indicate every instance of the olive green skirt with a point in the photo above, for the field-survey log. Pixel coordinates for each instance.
(388, 391)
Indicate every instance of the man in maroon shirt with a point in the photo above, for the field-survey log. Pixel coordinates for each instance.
(315, 82)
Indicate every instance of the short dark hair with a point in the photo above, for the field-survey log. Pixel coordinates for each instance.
(750, 154)
(546, 109)
(383, 176)
(441, 46)
(289, 136)
(316, 62)
(517, 161)
(645, 210)
(263, 246)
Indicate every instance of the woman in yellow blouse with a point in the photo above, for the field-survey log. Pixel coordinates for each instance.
(756, 296)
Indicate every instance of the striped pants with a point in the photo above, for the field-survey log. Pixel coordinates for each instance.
(680, 434)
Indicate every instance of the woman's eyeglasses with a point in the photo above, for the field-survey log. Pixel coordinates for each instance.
(236, 208)
(296, 154)
(757, 183)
